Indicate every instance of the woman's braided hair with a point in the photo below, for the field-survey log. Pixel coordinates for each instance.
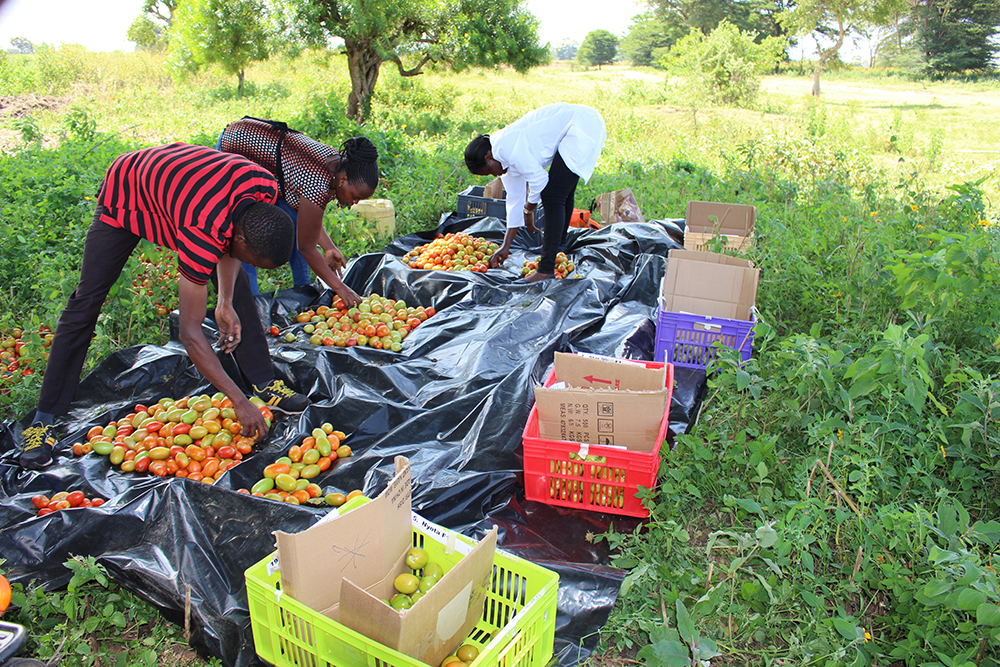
(360, 161)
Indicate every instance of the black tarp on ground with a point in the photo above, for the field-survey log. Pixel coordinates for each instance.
(454, 402)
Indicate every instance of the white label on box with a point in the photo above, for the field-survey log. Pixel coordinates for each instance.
(601, 357)
(440, 535)
(273, 566)
(452, 616)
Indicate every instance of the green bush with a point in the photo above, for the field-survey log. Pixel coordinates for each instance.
(725, 66)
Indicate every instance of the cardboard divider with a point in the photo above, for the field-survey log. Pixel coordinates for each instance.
(705, 220)
(360, 553)
(603, 402)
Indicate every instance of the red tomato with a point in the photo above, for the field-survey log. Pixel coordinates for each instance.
(97, 502)
(40, 501)
(75, 498)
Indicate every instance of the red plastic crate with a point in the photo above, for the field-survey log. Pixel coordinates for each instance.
(685, 339)
(556, 472)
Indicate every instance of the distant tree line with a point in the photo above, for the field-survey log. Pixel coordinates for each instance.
(933, 37)
(726, 43)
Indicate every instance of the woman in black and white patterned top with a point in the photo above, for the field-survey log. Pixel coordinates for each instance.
(310, 176)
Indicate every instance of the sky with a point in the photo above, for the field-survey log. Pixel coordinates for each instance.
(100, 25)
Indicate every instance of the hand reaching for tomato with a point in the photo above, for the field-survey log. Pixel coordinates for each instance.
(499, 257)
(250, 416)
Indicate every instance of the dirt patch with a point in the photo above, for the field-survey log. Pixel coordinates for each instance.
(19, 106)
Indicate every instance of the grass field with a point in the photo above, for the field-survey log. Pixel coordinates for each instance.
(837, 502)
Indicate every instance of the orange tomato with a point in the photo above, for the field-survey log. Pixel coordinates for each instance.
(210, 467)
(5, 594)
(276, 469)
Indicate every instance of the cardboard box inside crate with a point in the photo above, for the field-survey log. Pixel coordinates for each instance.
(706, 219)
(708, 283)
(344, 567)
(605, 402)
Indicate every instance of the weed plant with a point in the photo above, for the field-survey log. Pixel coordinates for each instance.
(93, 622)
(836, 502)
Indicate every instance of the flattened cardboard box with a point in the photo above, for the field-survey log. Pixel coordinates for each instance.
(705, 219)
(361, 552)
(605, 403)
(709, 283)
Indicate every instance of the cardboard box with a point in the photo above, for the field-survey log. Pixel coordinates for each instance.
(706, 219)
(344, 567)
(709, 283)
(602, 401)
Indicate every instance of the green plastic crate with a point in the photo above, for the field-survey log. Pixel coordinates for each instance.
(517, 628)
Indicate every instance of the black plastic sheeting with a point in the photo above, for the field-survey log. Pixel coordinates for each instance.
(454, 402)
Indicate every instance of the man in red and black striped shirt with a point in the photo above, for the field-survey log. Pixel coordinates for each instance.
(216, 210)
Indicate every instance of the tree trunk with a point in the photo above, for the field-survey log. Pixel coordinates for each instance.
(823, 57)
(239, 88)
(363, 62)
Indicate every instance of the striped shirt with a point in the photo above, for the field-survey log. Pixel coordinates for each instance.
(303, 160)
(184, 198)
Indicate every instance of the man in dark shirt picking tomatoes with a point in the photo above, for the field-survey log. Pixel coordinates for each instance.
(216, 210)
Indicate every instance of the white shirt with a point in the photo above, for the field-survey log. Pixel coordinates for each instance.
(527, 146)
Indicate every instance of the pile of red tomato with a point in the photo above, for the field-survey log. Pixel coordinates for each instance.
(64, 500)
(196, 437)
(157, 282)
(563, 266)
(452, 252)
(22, 354)
(376, 322)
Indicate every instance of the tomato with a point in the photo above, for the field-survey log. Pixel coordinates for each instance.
(94, 432)
(210, 467)
(75, 498)
(96, 502)
(195, 453)
(40, 501)
(272, 471)
(45, 510)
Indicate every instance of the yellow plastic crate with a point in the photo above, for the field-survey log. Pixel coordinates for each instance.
(517, 628)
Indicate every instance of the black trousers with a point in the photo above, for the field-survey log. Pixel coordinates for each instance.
(105, 253)
(557, 199)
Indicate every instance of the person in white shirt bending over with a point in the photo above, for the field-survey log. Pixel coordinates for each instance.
(566, 138)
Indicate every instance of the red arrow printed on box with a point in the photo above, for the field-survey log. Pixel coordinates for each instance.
(591, 379)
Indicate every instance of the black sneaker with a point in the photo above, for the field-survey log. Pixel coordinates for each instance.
(280, 398)
(37, 442)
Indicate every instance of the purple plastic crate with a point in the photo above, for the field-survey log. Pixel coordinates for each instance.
(685, 340)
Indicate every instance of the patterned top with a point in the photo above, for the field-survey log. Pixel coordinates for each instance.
(303, 160)
(185, 198)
